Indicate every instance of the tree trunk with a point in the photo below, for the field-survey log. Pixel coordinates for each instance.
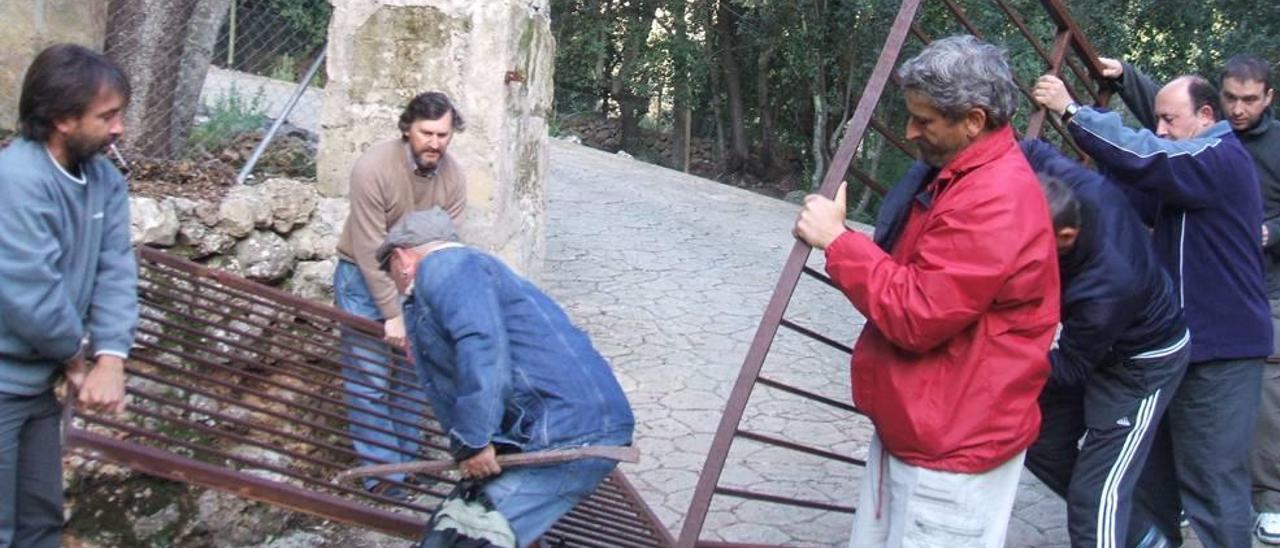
(629, 103)
(726, 31)
(681, 117)
(767, 160)
(717, 112)
(202, 34)
(165, 47)
(819, 131)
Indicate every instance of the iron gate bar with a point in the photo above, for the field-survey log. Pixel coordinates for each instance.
(768, 328)
(1081, 74)
(893, 137)
(815, 335)
(785, 501)
(1060, 15)
(249, 463)
(807, 395)
(158, 462)
(813, 273)
(227, 419)
(259, 293)
(784, 444)
(1057, 56)
(868, 180)
(268, 395)
(168, 324)
(276, 414)
(243, 440)
(1066, 35)
(371, 329)
(161, 288)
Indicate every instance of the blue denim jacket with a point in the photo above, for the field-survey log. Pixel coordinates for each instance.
(501, 362)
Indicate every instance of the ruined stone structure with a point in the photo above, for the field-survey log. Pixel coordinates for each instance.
(30, 26)
(494, 58)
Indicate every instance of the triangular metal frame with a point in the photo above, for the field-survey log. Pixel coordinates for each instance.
(1067, 39)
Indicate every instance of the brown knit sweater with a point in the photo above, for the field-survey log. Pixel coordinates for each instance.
(384, 187)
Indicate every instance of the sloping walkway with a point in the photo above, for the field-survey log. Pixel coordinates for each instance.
(670, 274)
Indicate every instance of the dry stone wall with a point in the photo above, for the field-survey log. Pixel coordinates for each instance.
(279, 232)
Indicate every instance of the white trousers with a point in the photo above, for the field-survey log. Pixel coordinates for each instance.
(907, 506)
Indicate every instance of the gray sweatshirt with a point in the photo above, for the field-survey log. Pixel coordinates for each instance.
(67, 269)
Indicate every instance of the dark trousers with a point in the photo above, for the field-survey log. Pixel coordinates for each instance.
(30, 471)
(1203, 449)
(1264, 462)
(1116, 412)
(1265, 458)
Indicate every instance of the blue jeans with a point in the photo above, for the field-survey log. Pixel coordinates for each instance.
(30, 471)
(534, 498)
(384, 427)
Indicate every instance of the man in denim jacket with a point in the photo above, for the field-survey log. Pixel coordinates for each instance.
(505, 371)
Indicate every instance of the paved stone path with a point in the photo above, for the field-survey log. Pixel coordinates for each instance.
(670, 274)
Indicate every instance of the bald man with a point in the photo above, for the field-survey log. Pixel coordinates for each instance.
(1194, 184)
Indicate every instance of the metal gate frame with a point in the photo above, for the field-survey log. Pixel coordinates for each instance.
(1067, 39)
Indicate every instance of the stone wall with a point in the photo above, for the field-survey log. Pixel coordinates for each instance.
(30, 26)
(495, 59)
(279, 232)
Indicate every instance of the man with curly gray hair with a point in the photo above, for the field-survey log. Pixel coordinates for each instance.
(960, 290)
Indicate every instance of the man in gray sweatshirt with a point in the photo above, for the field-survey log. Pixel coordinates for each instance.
(68, 302)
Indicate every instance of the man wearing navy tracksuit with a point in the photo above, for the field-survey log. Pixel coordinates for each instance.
(1121, 354)
(1195, 183)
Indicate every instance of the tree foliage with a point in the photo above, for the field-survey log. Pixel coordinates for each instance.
(772, 82)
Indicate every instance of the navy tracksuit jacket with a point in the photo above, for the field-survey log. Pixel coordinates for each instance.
(1121, 353)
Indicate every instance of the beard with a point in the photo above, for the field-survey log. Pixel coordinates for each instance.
(934, 156)
(427, 159)
(81, 148)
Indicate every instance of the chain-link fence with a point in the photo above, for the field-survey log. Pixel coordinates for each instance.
(210, 76)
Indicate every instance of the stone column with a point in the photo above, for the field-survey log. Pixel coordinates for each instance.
(32, 25)
(494, 59)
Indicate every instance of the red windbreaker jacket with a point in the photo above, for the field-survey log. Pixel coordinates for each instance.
(960, 316)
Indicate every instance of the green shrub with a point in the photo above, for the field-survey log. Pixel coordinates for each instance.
(231, 115)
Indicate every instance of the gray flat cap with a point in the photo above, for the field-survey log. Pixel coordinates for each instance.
(415, 229)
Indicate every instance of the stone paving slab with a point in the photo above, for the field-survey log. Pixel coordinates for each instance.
(670, 274)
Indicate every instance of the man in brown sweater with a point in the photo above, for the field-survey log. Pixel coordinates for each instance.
(392, 178)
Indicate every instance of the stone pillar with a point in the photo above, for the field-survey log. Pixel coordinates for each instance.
(494, 59)
(32, 25)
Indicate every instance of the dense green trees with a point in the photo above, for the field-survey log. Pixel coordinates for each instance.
(771, 82)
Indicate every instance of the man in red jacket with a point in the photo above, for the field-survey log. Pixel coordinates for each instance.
(960, 290)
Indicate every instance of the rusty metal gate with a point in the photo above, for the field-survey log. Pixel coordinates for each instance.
(238, 387)
(1068, 54)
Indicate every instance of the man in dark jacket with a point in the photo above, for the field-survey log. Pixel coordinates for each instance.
(1196, 184)
(1246, 97)
(1119, 359)
(504, 370)
(1246, 100)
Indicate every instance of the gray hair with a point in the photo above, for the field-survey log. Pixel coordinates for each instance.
(961, 72)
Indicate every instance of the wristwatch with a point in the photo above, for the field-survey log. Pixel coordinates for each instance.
(1071, 110)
